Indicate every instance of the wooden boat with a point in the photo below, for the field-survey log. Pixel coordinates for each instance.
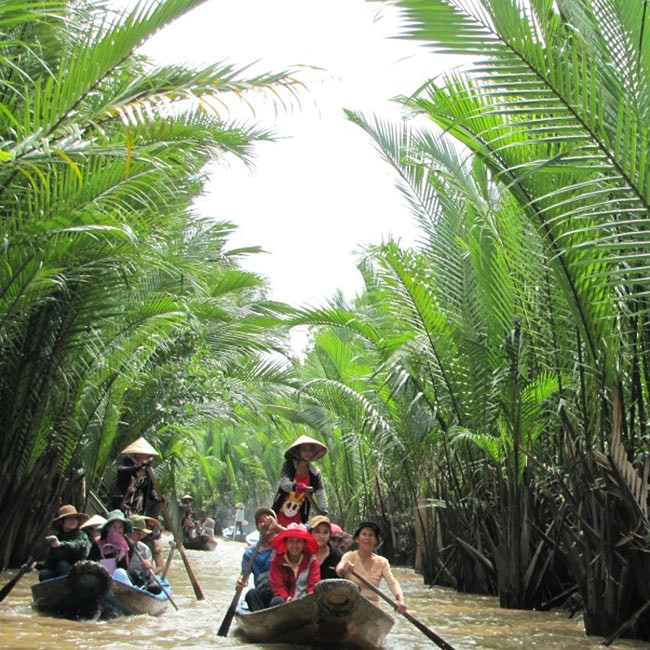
(201, 543)
(88, 592)
(335, 615)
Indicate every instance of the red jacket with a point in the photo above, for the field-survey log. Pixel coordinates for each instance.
(286, 584)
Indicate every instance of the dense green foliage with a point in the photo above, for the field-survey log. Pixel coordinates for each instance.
(485, 398)
(121, 313)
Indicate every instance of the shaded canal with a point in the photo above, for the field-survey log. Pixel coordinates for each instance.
(465, 621)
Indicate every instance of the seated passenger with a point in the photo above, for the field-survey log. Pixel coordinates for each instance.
(111, 550)
(260, 595)
(368, 565)
(328, 556)
(69, 545)
(92, 527)
(140, 569)
(294, 568)
(207, 527)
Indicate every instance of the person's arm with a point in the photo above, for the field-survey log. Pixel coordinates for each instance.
(72, 549)
(394, 586)
(319, 495)
(314, 575)
(246, 557)
(344, 566)
(286, 476)
(276, 580)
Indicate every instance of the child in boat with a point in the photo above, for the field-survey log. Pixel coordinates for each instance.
(111, 550)
(259, 597)
(328, 556)
(69, 545)
(369, 565)
(298, 479)
(294, 568)
(140, 569)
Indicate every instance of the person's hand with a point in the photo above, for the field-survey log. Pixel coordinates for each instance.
(401, 606)
(53, 541)
(345, 569)
(241, 584)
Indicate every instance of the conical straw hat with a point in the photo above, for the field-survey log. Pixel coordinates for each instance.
(140, 446)
(96, 521)
(292, 452)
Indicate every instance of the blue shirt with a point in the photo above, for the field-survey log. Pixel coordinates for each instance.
(261, 563)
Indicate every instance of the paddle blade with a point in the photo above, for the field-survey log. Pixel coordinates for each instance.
(4, 592)
(227, 619)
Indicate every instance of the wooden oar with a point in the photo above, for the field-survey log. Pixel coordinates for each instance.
(227, 619)
(25, 568)
(134, 547)
(179, 542)
(172, 546)
(438, 640)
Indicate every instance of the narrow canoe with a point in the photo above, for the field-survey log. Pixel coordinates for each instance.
(88, 592)
(201, 543)
(336, 614)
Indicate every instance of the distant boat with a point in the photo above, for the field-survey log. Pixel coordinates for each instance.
(335, 615)
(88, 592)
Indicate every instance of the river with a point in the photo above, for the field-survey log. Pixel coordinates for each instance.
(465, 621)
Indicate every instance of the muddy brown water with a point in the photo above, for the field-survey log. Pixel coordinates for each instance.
(466, 621)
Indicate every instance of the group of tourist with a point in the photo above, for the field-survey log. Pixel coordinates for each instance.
(127, 547)
(294, 552)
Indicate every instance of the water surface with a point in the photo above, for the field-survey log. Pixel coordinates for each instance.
(465, 621)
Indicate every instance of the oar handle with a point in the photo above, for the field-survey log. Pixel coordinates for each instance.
(179, 542)
(438, 640)
(172, 546)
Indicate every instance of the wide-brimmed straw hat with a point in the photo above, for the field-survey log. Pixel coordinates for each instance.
(70, 511)
(298, 531)
(320, 519)
(96, 521)
(140, 446)
(118, 515)
(139, 523)
(187, 497)
(239, 505)
(368, 524)
(292, 452)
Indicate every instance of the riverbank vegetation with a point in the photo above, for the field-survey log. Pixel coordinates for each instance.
(485, 397)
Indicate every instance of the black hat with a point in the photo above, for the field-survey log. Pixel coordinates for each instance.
(368, 524)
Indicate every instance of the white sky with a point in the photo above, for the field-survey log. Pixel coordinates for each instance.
(322, 192)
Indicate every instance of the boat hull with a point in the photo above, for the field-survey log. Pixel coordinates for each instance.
(88, 592)
(335, 615)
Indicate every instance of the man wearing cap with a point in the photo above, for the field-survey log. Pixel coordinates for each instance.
(259, 597)
(134, 493)
(140, 556)
(300, 482)
(69, 545)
